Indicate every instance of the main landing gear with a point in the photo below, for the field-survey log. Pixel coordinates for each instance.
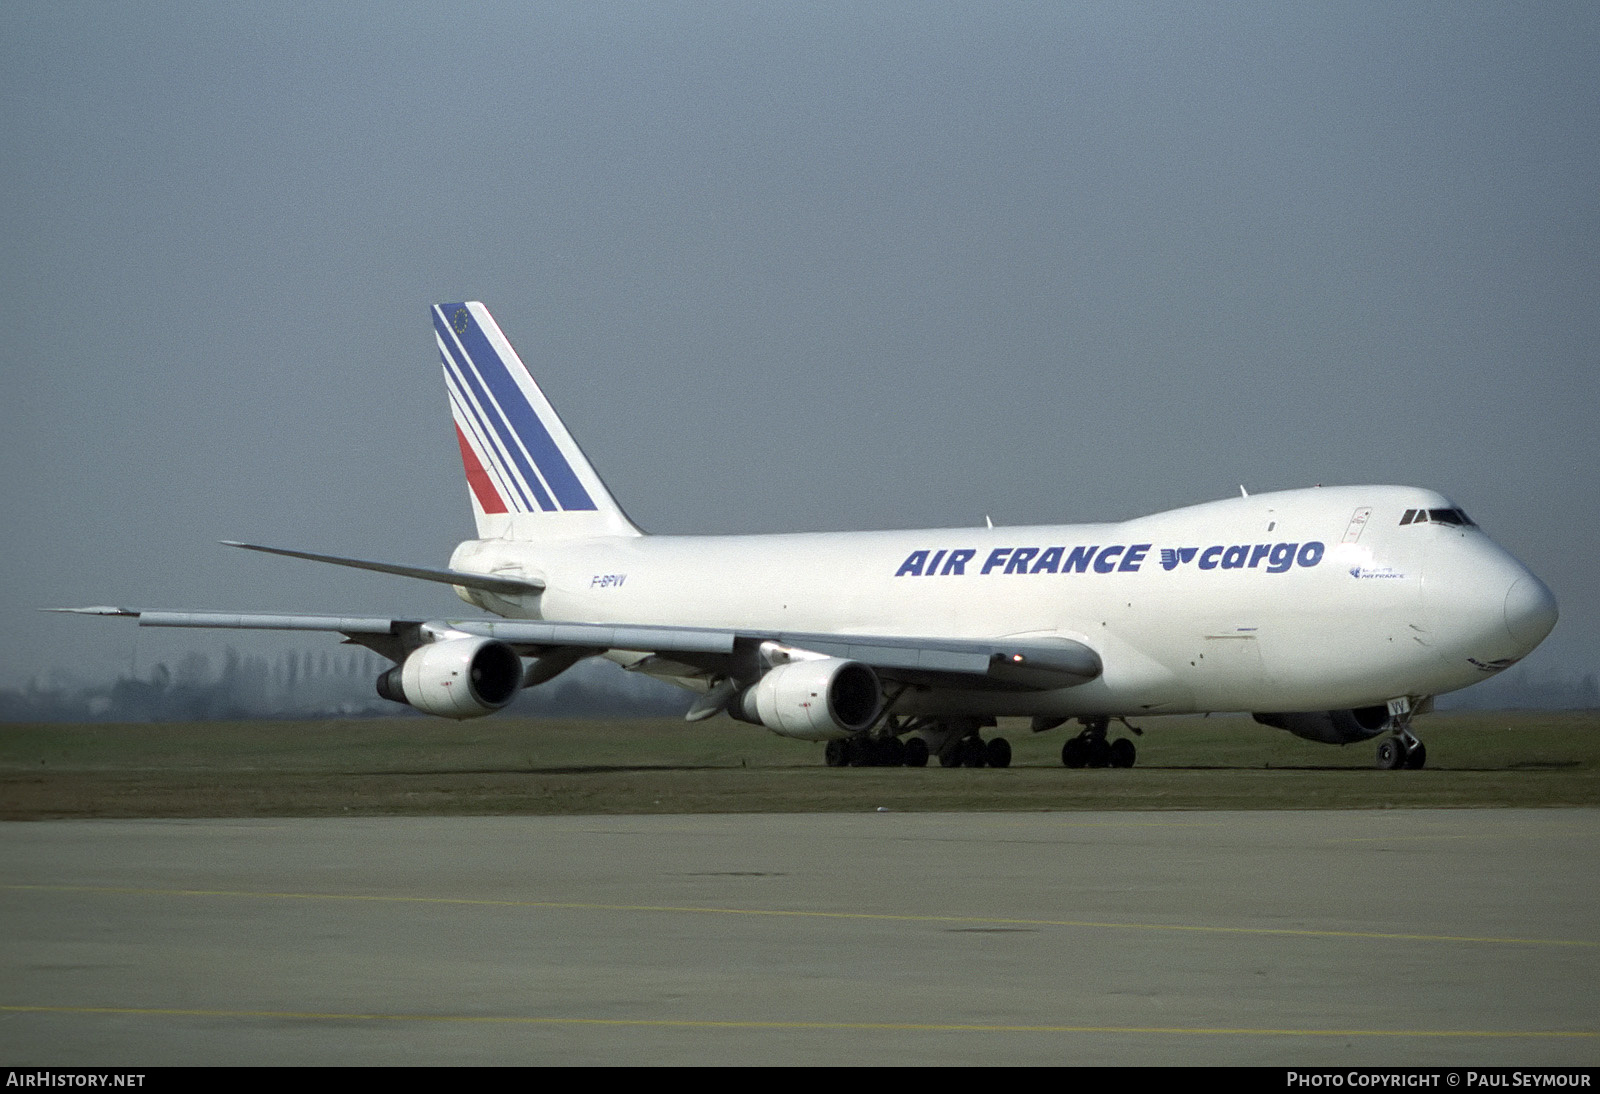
(910, 742)
(974, 751)
(1403, 750)
(864, 751)
(958, 742)
(1091, 749)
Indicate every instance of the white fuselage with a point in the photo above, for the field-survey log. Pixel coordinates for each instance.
(1301, 600)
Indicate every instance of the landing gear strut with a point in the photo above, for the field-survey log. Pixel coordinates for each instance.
(1091, 749)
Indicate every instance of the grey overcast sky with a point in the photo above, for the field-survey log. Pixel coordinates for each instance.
(781, 267)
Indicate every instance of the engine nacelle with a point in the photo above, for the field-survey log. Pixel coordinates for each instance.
(1333, 727)
(456, 678)
(813, 700)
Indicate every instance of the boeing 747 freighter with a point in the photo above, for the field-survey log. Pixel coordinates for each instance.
(1336, 613)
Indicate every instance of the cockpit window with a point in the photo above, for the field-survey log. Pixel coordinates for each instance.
(1457, 517)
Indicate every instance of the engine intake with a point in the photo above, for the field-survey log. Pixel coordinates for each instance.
(813, 700)
(456, 678)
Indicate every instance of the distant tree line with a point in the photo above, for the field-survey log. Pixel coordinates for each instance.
(307, 684)
(1522, 689)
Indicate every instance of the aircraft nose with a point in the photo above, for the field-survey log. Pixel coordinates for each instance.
(1483, 605)
(1530, 611)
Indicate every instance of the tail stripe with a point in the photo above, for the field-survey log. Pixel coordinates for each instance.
(489, 499)
(528, 479)
(489, 415)
(528, 428)
(478, 429)
(519, 413)
(469, 426)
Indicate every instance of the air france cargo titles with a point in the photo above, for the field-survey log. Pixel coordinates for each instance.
(1116, 558)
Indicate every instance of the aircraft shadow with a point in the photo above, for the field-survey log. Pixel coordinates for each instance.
(634, 768)
(557, 769)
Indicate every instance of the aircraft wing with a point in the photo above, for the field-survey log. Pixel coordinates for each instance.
(1035, 662)
(392, 638)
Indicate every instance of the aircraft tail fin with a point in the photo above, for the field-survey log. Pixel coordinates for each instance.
(528, 478)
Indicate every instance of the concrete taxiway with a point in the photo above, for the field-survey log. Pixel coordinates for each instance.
(1430, 937)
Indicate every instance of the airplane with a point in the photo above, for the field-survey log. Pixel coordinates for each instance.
(1335, 613)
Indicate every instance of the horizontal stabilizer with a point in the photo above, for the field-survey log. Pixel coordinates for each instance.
(505, 586)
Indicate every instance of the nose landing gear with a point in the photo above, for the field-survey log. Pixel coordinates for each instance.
(1403, 750)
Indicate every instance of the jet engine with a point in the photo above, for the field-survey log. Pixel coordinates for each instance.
(1334, 727)
(813, 700)
(456, 678)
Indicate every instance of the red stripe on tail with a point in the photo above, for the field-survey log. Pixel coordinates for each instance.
(482, 487)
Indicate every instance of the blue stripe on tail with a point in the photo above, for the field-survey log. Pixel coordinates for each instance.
(522, 418)
(461, 370)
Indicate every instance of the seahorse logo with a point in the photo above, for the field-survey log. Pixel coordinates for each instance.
(1171, 557)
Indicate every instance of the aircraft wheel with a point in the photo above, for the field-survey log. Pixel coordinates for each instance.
(1416, 756)
(1122, 752)
(1075, 753)
(1099, 753)
(1391, 755)
(998, 752)
(952, 756)
(972, 752)
(891, 752)
(915, 752)
(833, 754)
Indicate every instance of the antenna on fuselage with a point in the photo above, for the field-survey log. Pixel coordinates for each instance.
(1243, 493)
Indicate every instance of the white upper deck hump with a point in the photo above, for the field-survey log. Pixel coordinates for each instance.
(1312, 503)
(528, 478)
